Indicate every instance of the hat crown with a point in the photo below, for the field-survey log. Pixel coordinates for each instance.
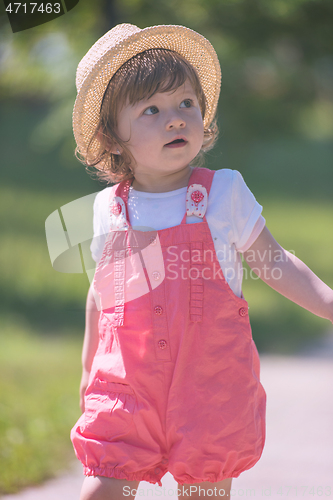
(111, 38)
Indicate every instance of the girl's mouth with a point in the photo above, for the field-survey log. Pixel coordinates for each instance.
(177, 143)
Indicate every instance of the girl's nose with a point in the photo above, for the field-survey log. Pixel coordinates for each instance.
(175, 121)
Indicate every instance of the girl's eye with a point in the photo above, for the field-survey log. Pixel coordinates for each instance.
(187, 103)
(152, 110)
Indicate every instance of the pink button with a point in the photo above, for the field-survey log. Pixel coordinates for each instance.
(158, 310)
(156, 275)
(162, 344)
(243, 311)
(197, 196)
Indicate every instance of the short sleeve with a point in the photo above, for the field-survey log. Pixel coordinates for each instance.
(245, 213)
(100, 223)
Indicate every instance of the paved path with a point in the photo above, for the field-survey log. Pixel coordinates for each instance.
(297, 462)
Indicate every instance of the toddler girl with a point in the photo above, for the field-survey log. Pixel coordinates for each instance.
(170, 372)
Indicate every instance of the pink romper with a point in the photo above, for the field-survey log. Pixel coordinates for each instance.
(174, 384)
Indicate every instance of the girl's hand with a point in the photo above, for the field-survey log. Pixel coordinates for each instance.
(83, 387)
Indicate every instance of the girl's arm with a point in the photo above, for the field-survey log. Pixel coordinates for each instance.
(90, 343)
(289, 276)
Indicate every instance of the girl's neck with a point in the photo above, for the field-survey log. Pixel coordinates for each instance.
(162, 183)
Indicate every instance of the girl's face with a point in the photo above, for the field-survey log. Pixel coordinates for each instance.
(164, 132)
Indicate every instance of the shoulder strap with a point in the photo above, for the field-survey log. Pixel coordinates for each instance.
(123, 189)
(118, 205)
(203, 176)
(197, 193)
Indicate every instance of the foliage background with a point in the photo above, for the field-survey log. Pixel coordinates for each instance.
(276, 127)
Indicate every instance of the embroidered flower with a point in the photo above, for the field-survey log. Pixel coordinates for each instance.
(196, 200)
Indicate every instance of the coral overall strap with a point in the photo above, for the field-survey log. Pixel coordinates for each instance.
(119, 221)
(122, 192)
(196, 204)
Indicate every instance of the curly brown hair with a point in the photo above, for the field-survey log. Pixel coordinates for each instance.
(151, 71)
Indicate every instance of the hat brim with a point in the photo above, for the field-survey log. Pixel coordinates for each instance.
(191, 45)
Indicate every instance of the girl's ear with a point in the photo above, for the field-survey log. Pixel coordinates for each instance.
(113, 148)
(110, 145)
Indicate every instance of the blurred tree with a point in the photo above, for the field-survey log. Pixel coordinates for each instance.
(276, 59)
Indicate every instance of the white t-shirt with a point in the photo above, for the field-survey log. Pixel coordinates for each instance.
(233, 216)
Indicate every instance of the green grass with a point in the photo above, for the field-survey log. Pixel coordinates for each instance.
(29, 285)
(39, 380)
(24, 259)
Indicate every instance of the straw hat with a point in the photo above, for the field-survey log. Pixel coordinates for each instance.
(116, 47)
